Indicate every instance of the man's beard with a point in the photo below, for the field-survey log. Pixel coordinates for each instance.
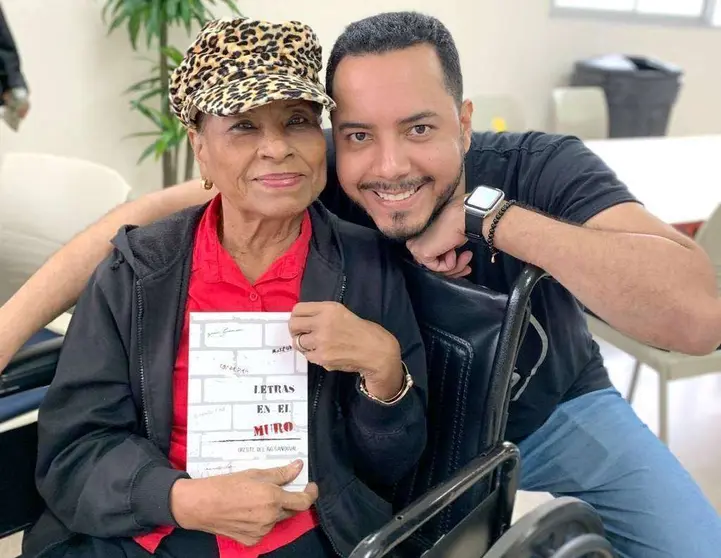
(402, 232)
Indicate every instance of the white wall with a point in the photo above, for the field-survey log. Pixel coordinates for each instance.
(77, 72)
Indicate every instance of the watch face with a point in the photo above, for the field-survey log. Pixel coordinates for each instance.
(484, 198)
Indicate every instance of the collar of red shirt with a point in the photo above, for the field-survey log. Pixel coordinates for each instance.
(213, 261)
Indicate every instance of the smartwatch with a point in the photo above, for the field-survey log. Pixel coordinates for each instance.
(482, 201)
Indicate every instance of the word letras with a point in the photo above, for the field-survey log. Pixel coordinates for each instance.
(273, 388)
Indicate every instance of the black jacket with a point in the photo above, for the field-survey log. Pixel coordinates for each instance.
(10, 75)
(105, 423)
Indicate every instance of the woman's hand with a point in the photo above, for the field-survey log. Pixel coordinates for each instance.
(331, 336)
(243, 506)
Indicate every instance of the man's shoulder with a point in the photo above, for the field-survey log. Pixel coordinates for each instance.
(502, 159)
(504, 144)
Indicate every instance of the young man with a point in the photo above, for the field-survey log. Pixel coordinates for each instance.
(404, 153)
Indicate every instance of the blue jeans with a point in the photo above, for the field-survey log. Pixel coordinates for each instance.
(596, 449)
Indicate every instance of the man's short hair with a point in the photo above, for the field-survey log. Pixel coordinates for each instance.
(391, 31)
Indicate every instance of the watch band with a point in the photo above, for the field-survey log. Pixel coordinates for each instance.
(405, 388)
(474, 223)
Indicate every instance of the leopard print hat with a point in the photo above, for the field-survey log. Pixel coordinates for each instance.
(234, 65)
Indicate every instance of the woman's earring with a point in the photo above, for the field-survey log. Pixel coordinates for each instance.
(207, 184)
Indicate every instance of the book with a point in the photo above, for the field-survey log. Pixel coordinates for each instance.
(247, 395)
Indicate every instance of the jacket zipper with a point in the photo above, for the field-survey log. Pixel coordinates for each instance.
(316, 400)
(146, 420)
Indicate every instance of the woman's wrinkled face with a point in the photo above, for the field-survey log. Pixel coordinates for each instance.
(269, 162)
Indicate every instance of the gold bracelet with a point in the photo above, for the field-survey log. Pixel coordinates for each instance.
(405, 388)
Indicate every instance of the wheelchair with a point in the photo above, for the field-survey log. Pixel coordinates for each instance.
(458, 501)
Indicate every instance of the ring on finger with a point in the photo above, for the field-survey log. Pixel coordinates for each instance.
(298, 343)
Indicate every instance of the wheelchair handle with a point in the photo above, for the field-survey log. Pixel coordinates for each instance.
(509, 342)
(412, 518)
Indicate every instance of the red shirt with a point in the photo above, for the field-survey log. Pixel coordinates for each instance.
(218, 285)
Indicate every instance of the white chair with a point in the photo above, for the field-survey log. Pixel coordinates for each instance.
(497, 113)
(669, 365)
(45, 200)
(580, 112)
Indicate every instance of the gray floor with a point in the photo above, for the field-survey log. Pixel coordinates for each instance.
(694, 412)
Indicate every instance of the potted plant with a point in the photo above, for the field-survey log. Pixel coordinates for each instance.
(151, 21)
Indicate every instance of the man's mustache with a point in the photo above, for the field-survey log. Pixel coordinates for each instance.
(391, 187)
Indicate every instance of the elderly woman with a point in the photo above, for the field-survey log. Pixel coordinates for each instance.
(113, 427)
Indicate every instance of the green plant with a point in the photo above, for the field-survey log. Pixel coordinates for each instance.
(151, 21)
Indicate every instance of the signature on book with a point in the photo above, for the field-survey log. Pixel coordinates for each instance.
(237, 370)
(221, 332)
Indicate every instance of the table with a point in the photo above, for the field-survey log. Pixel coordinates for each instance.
(678, 179)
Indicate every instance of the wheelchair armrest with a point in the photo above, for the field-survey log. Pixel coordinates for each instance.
(22, 505)
(22, 388)
(14, 408)
(32, 367)
(505, 456)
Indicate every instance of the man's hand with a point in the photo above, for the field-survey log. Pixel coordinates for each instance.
(331, 336)
(243, 506)
(436, 248)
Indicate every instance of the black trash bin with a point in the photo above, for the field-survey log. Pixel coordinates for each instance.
(640, 91)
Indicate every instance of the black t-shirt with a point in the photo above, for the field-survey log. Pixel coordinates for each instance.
(559, 176)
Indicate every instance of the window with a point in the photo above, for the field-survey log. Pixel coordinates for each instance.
(701, 12)
(684, 8)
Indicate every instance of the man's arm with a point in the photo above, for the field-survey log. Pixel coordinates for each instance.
(56, 286)
(625, 265)
(629, 268)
